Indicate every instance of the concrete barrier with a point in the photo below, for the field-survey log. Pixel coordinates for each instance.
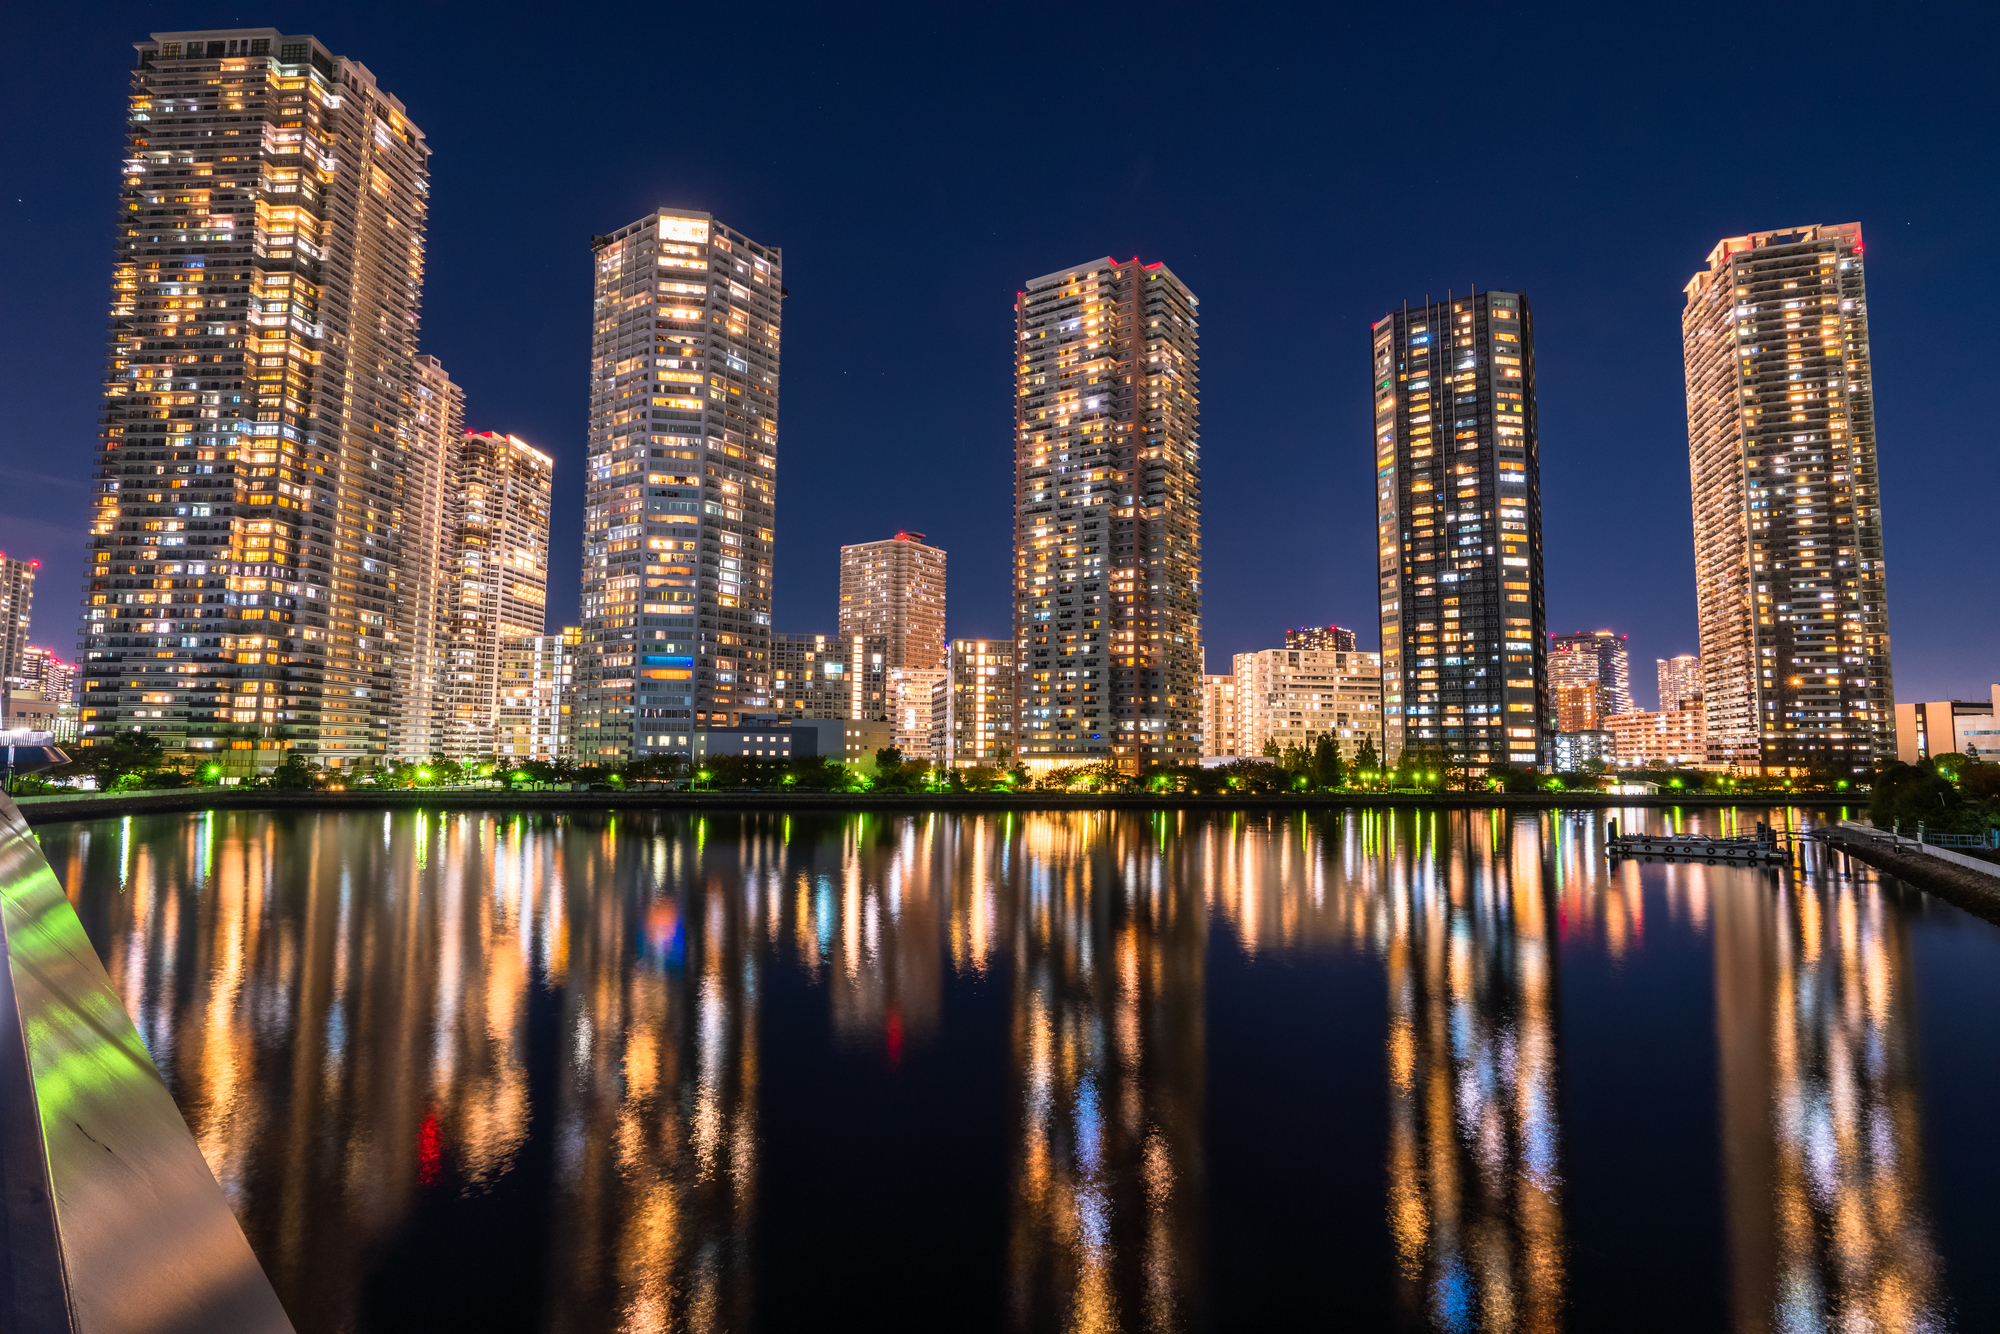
(114, 1223)
(1902, 844)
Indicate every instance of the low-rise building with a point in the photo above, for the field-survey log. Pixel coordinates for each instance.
(1672, 739)
(909, 691)
(1951, 726)
(1578, 750)
(1292, 697)
(768, 736)
(27, 711)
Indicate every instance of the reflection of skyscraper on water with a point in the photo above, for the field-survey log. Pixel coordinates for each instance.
(1109, 1045)
(1824, 1180)
(341, 1015)
(656, 1125)
(882, 951)
(368, 1019)
(1475, 1210)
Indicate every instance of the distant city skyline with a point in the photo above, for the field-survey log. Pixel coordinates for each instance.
(1652, 570)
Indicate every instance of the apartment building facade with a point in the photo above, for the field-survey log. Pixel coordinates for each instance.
(1679, 679)
(1668, 739)
(973, 718)
(1293, 697)
(17, 611)
(430, 493)
(809, 676)
(1322, 638)
(534, 712)
(498, 581)
(1219, 717)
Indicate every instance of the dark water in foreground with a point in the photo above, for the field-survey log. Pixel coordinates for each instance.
(1060, 1071)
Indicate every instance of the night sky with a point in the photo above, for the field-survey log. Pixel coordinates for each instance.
(1302, 170)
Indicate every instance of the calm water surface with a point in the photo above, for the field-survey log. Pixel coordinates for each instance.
(1061, 1071)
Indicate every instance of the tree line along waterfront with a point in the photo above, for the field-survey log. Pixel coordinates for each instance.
(1950, 793)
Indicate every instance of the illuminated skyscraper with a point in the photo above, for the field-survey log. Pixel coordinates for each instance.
(680, 509)
(246, 546)
(1680, 680)
(17, 606)
(895, 589)
(1789, 582)
(1459, 517)
(498, 581)
(1577, 688)
(430, 492)
(1605, 656)
(1107, 518)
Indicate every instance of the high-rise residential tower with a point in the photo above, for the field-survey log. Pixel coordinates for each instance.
(895, 589)
(1459, 517)
(17, 607)
(1789, 582)
(1680, 680)
(431, 492)
(1610, 656)
(1321, 639)
(680, 499)
(912, 697)
(269, 255)
(499, 580)
(1577, 688)
(1107, 518)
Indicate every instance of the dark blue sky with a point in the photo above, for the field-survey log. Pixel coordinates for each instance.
(1303, 169)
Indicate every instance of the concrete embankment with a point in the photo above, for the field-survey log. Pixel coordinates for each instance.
(49, 809)
(1977, 892)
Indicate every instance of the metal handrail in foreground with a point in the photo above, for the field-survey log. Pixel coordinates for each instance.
(110, 1220)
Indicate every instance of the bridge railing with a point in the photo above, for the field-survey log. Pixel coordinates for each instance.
(110, 1220)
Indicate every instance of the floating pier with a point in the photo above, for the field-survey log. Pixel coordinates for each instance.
(1760, 848)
